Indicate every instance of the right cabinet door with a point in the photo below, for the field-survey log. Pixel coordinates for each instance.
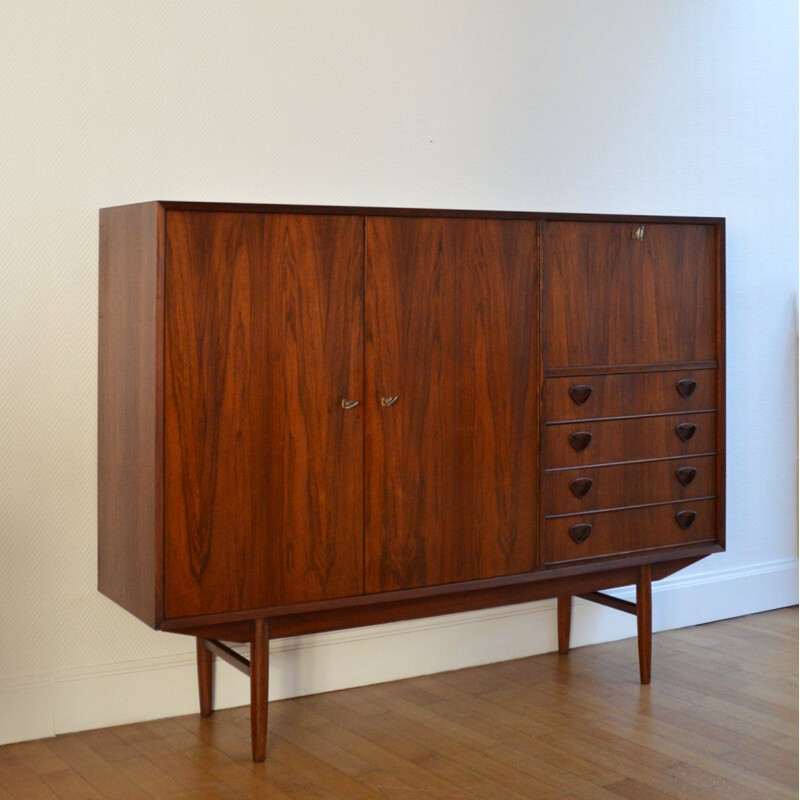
(631, 430)
(450, 418)
(621, 293)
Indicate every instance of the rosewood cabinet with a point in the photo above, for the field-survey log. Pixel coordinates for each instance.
(315, 418)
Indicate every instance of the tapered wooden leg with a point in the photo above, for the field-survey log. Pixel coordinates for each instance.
(564, 622)
(644, 621)
(205, 678)
(259, 687)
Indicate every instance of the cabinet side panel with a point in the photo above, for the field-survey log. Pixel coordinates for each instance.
(128, 455)
(721, 384)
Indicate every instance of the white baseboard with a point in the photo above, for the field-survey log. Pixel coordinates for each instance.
(113, 694)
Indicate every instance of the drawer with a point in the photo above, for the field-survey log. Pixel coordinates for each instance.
(617, 532)
(574, 491)
(596, 396)
(581, 443)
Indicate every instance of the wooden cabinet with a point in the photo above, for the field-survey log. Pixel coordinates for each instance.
(319, 418)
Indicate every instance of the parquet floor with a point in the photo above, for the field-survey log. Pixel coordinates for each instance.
(719, 721)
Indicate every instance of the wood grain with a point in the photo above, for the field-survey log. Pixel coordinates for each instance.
(214, 411)
(263, 466)
(644, 622)
(267, 492)
(628, 394)
(619, 532)
(451, 467)
(722, 724)
(315, 449)
(622, 369)
(627, 440)
(259, 688)
(129, 423)
(368, 609)
(721, 322)
(205, 678)
(434, 213)
(586, 578)
(627, 484)
(608, 299)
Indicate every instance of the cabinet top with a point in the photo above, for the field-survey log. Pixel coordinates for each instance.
(373, 211)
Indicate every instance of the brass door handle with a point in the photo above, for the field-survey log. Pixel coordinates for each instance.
(389, 401)
(347, 404)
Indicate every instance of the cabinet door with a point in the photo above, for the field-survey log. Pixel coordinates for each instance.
(263, 466)
(451, 464)
(610, 298)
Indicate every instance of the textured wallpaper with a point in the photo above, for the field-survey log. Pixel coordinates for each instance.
(662, 107)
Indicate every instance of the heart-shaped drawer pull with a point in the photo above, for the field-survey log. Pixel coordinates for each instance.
(580, 486)
(686, 387)
(580, 440)
(685, 475)
(685, 518)
(580, 532)
(580, 393)
(686, 430)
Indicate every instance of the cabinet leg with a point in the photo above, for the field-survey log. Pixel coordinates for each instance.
(259, 687)
(644, 621)
(205, 677)
(564, 622)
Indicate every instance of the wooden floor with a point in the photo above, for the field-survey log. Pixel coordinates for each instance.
(719, 721)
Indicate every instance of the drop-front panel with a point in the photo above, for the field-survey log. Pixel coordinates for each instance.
(313, 418)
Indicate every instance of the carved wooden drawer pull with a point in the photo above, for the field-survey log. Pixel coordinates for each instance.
(685, 475)
(580, 532)
(580, 486)
(580, 393)
(686, 387)
(686, 430)
(580, 440)
(685, 518)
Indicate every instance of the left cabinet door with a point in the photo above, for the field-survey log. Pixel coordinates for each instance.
(263, 465)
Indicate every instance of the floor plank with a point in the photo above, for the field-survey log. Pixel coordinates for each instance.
(718, 721)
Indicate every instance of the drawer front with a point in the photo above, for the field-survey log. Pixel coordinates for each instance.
(624, 395)
(619, 532)
(582, 443)
(580, 490)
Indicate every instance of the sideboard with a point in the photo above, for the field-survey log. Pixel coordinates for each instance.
(314, 418)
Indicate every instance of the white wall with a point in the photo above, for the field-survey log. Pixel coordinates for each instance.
(661, 107)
